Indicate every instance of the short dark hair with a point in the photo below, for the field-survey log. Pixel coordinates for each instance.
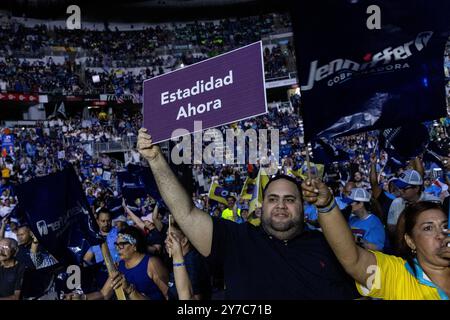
(285, 177)
(105, 211)
(232, 197)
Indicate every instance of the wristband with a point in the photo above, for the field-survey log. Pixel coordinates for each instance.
(328, 207)
(181, 264)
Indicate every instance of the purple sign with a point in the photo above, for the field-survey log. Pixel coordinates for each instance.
(224, 89)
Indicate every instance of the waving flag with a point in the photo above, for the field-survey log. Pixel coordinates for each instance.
(248, 188)
(325, 153)
(257, 197)
(316, 170)
(357, 79)
(406, 142)
(58, 213)
(218, 193)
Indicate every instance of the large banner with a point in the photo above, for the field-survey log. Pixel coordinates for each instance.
(354, 78)
(217, 91)
(57, 212)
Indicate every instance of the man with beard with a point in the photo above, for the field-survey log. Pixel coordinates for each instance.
(104, 221)
(94, 254)
(278, 260)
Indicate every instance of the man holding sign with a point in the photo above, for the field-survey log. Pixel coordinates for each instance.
(278, 260)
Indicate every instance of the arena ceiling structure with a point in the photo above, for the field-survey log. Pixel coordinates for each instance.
(139, 10)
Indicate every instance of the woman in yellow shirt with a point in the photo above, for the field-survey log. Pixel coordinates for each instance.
(423, 273)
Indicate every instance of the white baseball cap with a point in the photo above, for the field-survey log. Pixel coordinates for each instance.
(358, 194)
(408, 178)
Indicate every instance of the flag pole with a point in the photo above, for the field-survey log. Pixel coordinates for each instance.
(170, 230)
(308, 162)
(120, 293)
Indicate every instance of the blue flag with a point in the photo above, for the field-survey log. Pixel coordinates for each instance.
(357, 79)
(406, 142)
(137, 182)
(58, 213)
(326, 153)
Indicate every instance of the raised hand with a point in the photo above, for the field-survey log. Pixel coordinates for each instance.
(446, 162)
(156, 215)
(316, 192)
(173, 245)
(118, 280)
(33, 238)
(145, 145)
(5, 220)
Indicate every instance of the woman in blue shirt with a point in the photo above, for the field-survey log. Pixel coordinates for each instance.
(142, 276)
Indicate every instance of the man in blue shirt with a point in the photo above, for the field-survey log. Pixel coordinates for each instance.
(94, 254)
(366, 227)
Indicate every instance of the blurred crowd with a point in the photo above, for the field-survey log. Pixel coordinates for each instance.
(107, 54)
(154, 258)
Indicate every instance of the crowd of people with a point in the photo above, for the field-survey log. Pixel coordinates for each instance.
(317, 229)
(369, 192)
(107, 54)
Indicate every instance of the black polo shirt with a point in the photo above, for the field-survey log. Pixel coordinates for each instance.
(259, 266)
(11, 279)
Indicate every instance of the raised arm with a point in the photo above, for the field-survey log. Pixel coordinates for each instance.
(417, 165)
(157, 219)
(376, 190)
(196, 224)
(3, 227)
(353, 258)
(138, 221)
(182, 280)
